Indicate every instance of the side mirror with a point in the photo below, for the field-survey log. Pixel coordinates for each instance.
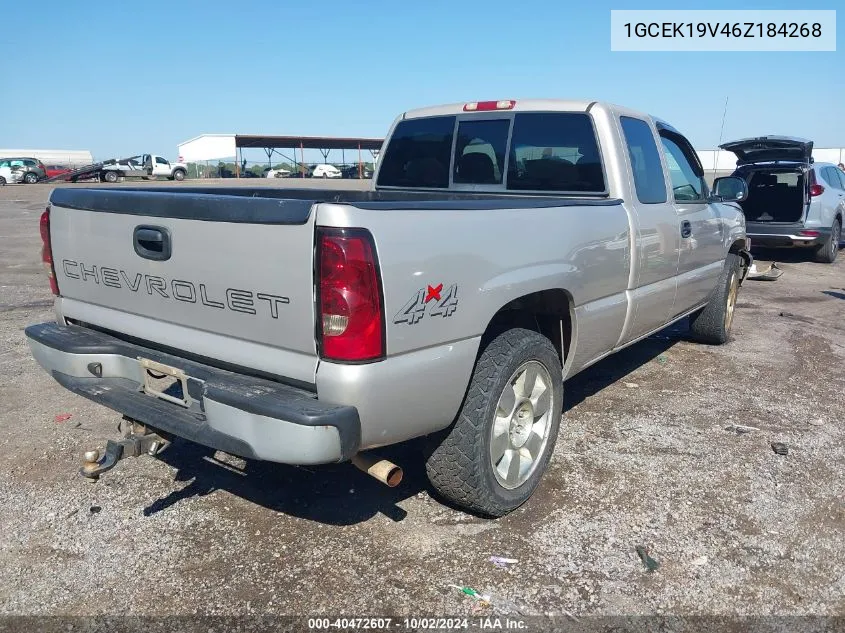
(730, 189)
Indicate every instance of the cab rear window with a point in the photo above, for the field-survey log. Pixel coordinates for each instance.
(418, 154)
(554, 151)
(528, 151)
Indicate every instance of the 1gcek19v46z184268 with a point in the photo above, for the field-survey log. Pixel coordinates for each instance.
(503, 247)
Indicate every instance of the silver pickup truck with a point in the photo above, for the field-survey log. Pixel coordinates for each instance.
(504, 247)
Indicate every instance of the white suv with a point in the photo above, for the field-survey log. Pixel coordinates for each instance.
(326, 171)
(792, 200)
(9, 174)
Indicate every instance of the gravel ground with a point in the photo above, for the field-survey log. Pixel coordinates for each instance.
(643, 458)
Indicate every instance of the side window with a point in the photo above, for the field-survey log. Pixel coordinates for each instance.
(833, 178)
(17, 163)
(687, 185)
(480, 152)
(645, 161)
(161, 161)
(29, 163)
(554, 151)
(839, 174)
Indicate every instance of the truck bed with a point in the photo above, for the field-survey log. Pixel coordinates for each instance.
(288, 206)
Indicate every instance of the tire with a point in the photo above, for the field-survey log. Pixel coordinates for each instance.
(2, 181)
(30, 178)
(179, 174)
(827, 252)
(462, 468)
(110, 176)
(712, 324)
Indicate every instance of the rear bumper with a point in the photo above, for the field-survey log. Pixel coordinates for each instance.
(784, 235)
(242, 415)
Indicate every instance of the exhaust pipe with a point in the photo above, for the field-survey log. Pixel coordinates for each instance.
(385, 471)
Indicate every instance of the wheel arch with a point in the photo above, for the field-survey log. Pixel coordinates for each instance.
(549, 312)
(738, 247)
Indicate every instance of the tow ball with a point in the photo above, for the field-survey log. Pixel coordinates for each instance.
(137, 441)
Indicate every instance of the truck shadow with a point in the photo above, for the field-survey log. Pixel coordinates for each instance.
(334, 494)
(615, 367)
(340, 494)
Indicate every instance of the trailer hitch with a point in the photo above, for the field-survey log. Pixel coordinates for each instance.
(139, 440)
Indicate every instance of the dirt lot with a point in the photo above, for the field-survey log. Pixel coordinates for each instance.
(643, 458)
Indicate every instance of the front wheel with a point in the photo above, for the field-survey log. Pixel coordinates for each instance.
(2, 181)
(712, 324)
(493, 456)
(827, 252)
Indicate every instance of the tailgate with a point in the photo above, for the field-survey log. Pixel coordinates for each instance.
(225, 277)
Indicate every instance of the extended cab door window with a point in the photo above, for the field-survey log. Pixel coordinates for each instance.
(480, 150)
(646, 167)
(418, 154)
(687, 186)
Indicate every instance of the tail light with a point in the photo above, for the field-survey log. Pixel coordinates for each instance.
(815, 188)
(351, 320)
(47, 251)
(809, 233)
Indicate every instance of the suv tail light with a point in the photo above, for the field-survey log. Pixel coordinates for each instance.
(349, 301)
(47, 251)
(815, 188)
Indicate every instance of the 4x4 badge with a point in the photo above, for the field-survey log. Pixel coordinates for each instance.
(431, 301)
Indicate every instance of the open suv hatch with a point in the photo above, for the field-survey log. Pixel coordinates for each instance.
(792, 200)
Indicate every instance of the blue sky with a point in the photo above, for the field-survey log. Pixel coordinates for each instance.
(144, 76)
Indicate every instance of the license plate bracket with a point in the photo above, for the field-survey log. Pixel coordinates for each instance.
(152, 386)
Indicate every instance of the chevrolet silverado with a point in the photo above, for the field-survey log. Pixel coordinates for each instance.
(503, 247)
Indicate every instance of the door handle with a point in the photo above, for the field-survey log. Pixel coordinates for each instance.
(686, 228)
(152, 242)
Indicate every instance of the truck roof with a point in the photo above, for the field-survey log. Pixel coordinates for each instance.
(529, 105)
(520, 105)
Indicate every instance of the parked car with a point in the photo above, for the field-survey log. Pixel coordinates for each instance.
(353, 171)
(325, 171)
(276, 173)
(32, 168)
(8, 174)
(449, 302)
(792, 200)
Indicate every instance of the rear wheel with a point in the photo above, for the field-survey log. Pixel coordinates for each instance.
(828, 251)
(110, 176)
(493, 456)
(179, 174)
(712, 324)
(30, 178)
